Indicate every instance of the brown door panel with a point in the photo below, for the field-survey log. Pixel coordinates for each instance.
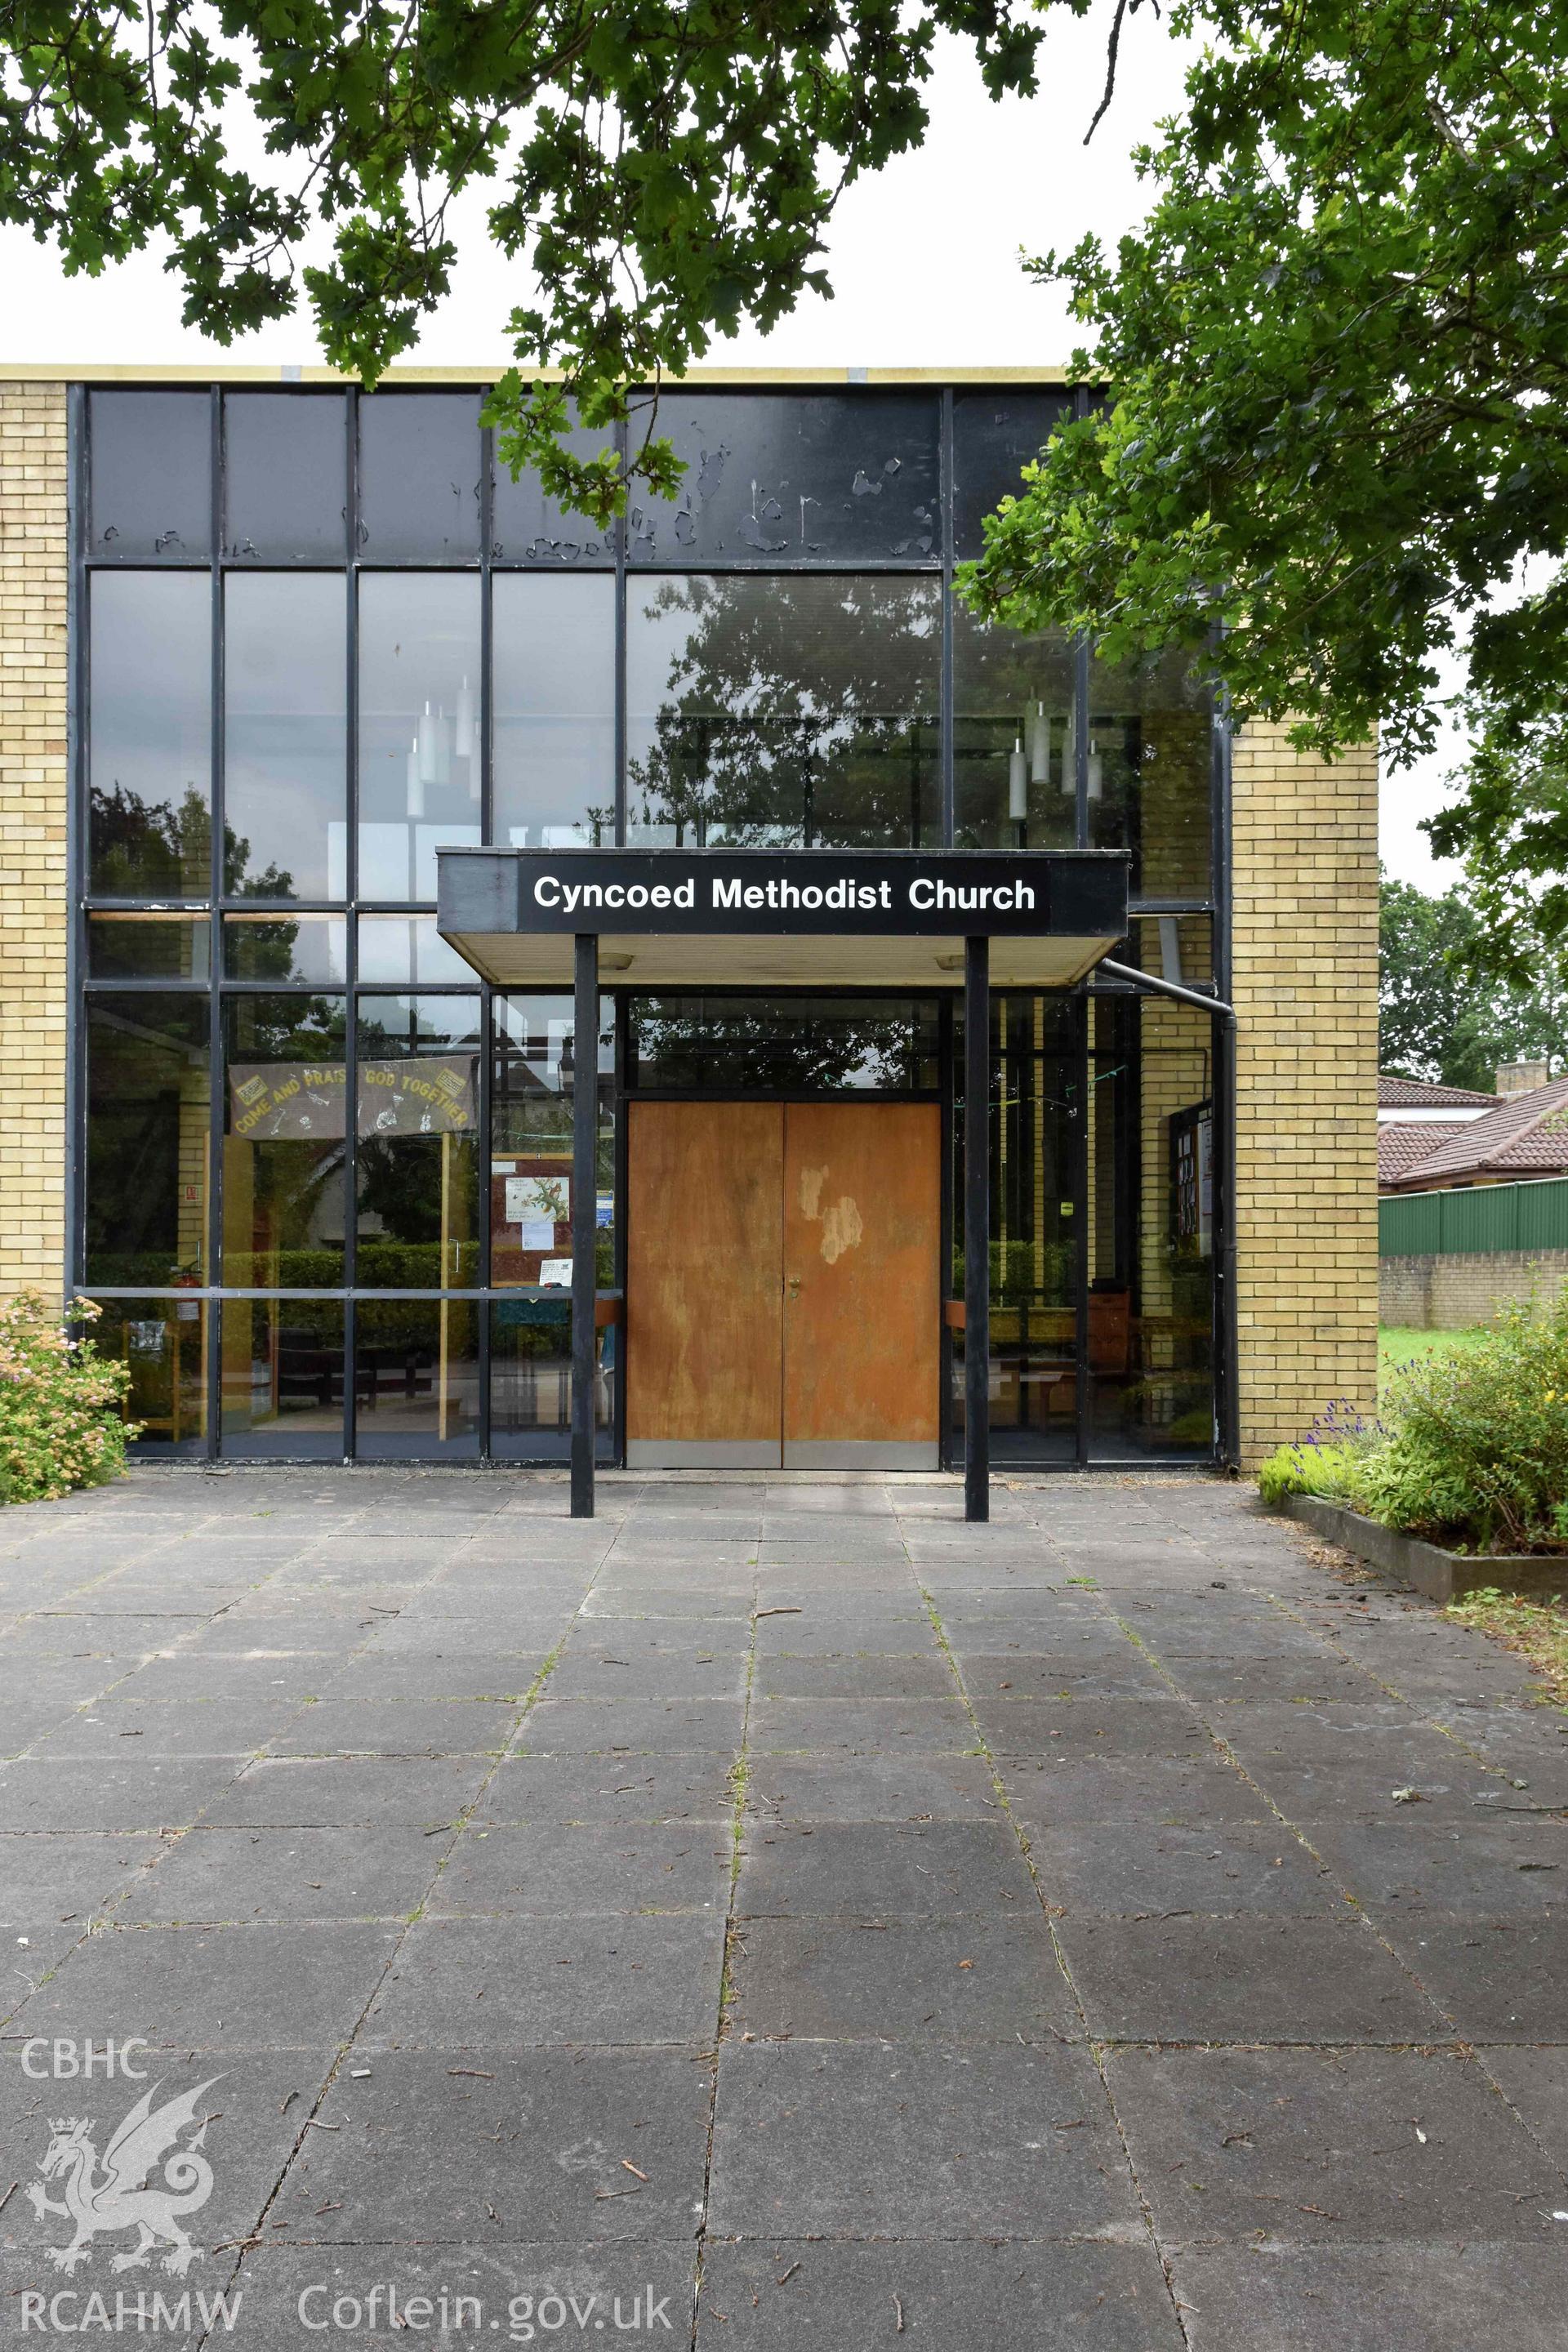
(862, 1211)
(703, 1283)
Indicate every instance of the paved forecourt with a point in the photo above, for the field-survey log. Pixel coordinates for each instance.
(769, 1915)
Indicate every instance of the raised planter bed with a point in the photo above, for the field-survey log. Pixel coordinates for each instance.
(1441, 1575)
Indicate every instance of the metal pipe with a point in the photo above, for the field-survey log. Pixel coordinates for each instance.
(1147, 980)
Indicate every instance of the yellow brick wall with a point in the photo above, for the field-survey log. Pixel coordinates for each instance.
(32, 785)
(1305, 990)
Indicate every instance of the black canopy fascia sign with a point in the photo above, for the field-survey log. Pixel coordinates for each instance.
(810, 918)
(781, 918)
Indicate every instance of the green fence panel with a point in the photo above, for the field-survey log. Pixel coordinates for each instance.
(1542, 1214)
(1465, 1223)
(1485, 1219)
(1409, 1225)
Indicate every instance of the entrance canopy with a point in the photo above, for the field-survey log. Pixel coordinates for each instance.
(783, 919)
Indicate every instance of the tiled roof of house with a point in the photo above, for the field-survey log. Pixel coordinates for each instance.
(1403, 1145)
(1527, 1136)
(1414, 1094)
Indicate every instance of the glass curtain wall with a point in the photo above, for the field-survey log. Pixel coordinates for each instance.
(322, 635)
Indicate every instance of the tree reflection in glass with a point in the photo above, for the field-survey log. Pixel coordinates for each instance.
(149, 735)
(769, 712)
(748, 1044)
(1150, 731)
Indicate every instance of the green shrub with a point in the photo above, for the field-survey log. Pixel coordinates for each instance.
(1476, 1444)
(1311, 1469)
(59, 1403)
(1472, 1448)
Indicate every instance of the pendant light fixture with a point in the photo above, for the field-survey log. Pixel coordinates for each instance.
(1096, 771)
(1017, 784)
(443, 745)
(469, 735)
(1070, 755)
(415, 787)
(428, 747)
(1040, 745)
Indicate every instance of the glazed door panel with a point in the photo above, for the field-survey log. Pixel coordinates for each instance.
(704, 1286)
(862, 1317)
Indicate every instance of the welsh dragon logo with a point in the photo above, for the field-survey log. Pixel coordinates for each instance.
(101, 2198)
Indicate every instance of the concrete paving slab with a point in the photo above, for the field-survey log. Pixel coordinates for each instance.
(1303, 2146)
(633, 1727)
(1151, 1789)
(433, 2147)
(779, 1675)
(1088, 1727)
(1136, 1867)
(337, 1791)
(552, 1871)
(77, 1793)
(840, 1980)
(1500, 1980)
(518, 1982)
(1385, 2298)
(245, 1875)
(377, 1674)
(229, 1726)
(1018, 2296)
(216, 1989)
(1319, 1980)
(874, 1787)
(862, 2141)
(398, 1727)
(878, 1870)
(608, 1788)
(656, 1661)
(1511, 1866)
(898, 1726)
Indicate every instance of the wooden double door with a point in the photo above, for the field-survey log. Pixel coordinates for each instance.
(782, 1296)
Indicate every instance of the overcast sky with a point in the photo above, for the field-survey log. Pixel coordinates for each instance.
(924, 261)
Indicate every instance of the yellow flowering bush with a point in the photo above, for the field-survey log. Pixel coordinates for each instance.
(60, 1425)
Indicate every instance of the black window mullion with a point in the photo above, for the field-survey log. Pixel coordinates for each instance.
(77, 838)
(946, 784)
(1083, 1382)
(482, 1189)
(351, 942)
(621, 1008)
(487, 635)
(350, 795)
(1080, 670)
(351, 1377)
(213, 1205)
(482, 1186)
(945, 1067)
(350, 1113)
(619, 532)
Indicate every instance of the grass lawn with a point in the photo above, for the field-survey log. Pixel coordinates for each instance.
(1396, 1346)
